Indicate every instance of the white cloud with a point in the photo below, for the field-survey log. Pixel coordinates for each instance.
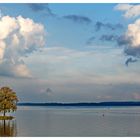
(133, 33)
(8, 68)
(70, 66)
(18, 38)
(58, 54)
(131, 38)
(129, 10)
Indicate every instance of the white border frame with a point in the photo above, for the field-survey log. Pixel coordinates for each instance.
(69, 1)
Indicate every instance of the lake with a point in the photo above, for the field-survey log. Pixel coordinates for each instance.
(73, 121)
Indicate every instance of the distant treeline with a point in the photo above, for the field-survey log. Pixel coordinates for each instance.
(83, 104)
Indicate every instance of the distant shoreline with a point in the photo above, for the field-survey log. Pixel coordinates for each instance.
(132, 103)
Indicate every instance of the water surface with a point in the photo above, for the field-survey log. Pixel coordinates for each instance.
(74, 121)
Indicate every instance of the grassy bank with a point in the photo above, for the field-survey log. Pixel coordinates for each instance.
(6, 117)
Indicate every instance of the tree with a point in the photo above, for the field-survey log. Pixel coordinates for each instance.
(8, 100)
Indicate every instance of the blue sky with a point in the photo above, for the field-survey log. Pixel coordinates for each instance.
(71, 52)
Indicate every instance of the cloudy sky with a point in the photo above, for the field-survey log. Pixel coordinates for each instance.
(71, 52)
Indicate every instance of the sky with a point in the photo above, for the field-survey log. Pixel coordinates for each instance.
(70, 52)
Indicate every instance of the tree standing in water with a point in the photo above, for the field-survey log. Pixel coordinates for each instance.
(8, 100)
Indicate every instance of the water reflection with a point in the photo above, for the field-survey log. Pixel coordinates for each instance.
(8, 128)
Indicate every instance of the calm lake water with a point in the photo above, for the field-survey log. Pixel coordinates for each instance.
(73, 121)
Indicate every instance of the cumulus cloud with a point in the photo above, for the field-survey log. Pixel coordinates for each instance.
(130, 10)
(18, 38)
(49, 91)
(132, 35)
(130, 60)
(120, 40)
(100, 25)
(108, 37)
(41, 7)
(78, 19)
(130, 40)
(8, 68)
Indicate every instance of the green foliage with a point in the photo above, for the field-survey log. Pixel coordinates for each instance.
(6, 117)
(8, 100)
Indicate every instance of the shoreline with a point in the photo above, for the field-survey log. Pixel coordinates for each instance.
(83, 104)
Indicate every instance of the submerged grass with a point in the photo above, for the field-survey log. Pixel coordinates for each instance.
(6, 117)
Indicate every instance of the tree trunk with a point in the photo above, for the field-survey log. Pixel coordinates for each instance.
(4, 113)
(4, 128)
